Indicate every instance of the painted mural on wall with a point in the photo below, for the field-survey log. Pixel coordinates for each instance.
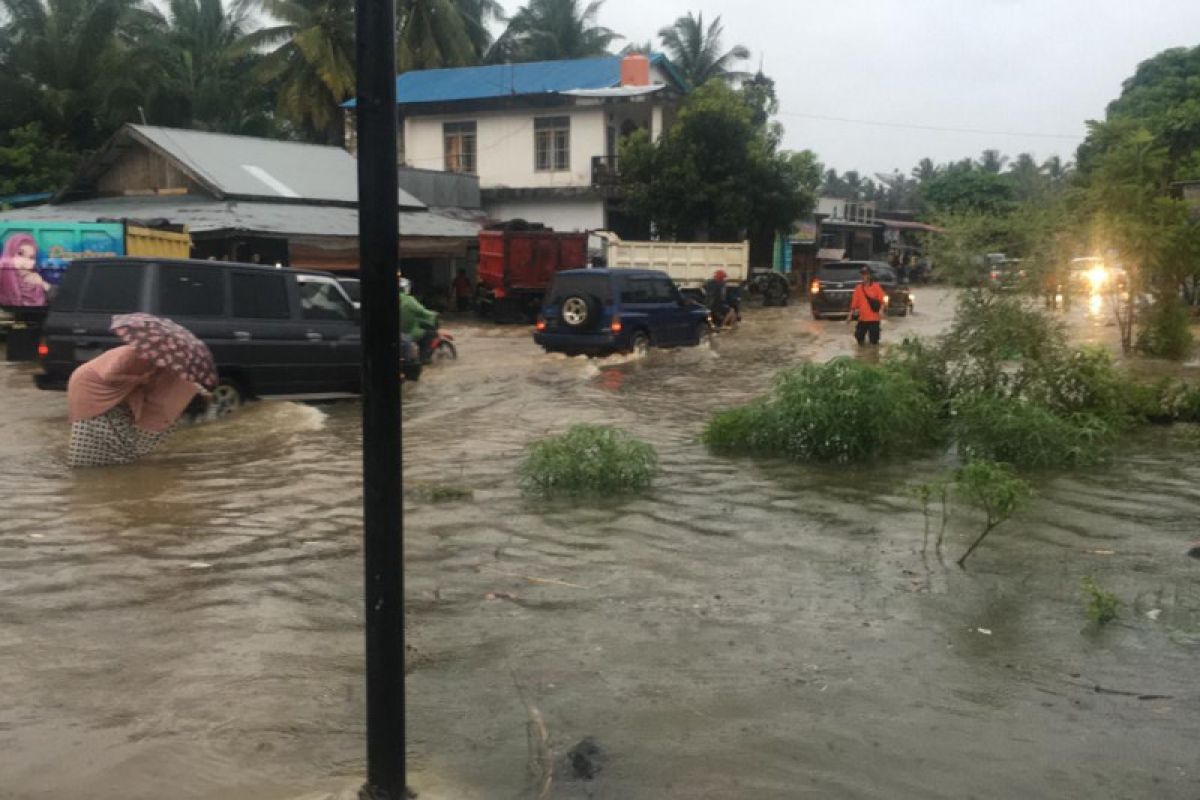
(34, 256)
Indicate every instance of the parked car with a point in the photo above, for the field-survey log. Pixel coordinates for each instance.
(273, 332)
(835, 282)
(601, 311)
(353, 287)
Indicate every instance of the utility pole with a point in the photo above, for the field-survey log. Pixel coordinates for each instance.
(379, 237)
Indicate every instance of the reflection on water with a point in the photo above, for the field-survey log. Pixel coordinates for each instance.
(189, 626)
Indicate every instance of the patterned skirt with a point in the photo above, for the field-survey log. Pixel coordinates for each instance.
(110, 438)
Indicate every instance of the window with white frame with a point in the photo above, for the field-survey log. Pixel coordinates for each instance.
(459, 145)
(552, 144)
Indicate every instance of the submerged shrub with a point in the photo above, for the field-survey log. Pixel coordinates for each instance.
(1166, 331)
(993, 489)
(1027, 434)
(1084, 381)
(843, 410)
(588, 458)
(1102, 605)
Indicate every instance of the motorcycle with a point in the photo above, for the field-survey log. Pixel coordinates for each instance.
(442, 348)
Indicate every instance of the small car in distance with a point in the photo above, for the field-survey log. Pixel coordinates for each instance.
(835, 282)
(598, 312)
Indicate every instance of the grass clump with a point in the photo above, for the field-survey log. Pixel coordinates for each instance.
(843, 410)
(588, 459)
(1102, 605)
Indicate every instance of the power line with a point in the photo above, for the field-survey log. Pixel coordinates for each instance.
(915, 127)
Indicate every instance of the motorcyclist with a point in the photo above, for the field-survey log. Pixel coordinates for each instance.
(416, 321)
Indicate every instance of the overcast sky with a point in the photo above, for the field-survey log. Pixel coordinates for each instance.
(1003, 67)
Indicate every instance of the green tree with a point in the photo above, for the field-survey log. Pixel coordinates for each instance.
(30, 161)
(443, 33)
(696, 51)
(311, 63)
(961, 189)
(715, 173)
(62, 62)
(194, 63)
(552, 30)
(1126, 165)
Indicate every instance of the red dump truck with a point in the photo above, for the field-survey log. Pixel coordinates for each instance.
(516, 266)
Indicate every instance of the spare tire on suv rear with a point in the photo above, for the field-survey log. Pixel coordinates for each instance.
(580, 311)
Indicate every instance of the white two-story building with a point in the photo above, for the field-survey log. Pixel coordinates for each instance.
(542, 137)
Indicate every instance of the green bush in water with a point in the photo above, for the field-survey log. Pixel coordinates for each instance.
(588, 458)
(1166, 331)
(1102, 605)
(1084, 381)
(843, 410)
(1027, 434)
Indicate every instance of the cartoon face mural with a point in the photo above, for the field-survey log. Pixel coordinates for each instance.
(20, 282)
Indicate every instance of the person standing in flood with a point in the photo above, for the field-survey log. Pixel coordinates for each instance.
(867, 307)
(121, 406)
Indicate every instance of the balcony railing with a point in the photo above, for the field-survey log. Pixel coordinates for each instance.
(604, 171)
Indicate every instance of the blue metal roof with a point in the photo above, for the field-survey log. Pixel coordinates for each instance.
(503, 80)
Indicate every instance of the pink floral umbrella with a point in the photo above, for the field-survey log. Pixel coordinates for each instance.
(167, 344)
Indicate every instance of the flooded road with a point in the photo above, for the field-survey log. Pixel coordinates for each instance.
(189, 626)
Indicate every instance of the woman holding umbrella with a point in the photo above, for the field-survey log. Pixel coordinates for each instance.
(124, 403)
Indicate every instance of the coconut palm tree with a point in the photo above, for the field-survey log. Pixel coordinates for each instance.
(696, 51)
(62, 60)
(550, 30)
(991, 161)
(197, 67)
(443, 33)
(311, 64)
(924, 171)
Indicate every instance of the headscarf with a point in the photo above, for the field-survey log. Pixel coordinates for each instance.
(14, 289)
(155, 396)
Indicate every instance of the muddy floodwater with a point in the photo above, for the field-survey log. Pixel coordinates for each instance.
(190, 626)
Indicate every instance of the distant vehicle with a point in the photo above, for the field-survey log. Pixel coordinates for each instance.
(602, 311)
(1093, 275)
(834, 285)
(353, 288)
(1007, 274)
(273, 332)
(517, 263)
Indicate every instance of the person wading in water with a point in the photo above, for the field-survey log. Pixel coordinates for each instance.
(868, 303)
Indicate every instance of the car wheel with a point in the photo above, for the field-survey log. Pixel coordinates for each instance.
(816, 314)
(641, 344)
(445, 351)
(411, 371)
(579, 311)
(227, 397)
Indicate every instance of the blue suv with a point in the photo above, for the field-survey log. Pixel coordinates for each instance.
(600, 311)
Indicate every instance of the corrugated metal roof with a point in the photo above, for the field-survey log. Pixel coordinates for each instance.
(247, 166)
(504, 80)
(204, 214)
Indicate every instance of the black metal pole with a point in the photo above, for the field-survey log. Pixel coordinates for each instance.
(379, 235)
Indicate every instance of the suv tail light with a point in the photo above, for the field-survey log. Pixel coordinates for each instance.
(43, 349)
(540, 324)
(815, 288)
(616, 325)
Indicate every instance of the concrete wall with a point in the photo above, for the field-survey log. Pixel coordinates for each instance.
(504, 146)
(562, 215)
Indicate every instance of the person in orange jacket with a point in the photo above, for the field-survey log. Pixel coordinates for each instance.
(868, 301)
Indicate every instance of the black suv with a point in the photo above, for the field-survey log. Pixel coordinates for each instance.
(601, 311)
(834, 285)
(273, 332)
